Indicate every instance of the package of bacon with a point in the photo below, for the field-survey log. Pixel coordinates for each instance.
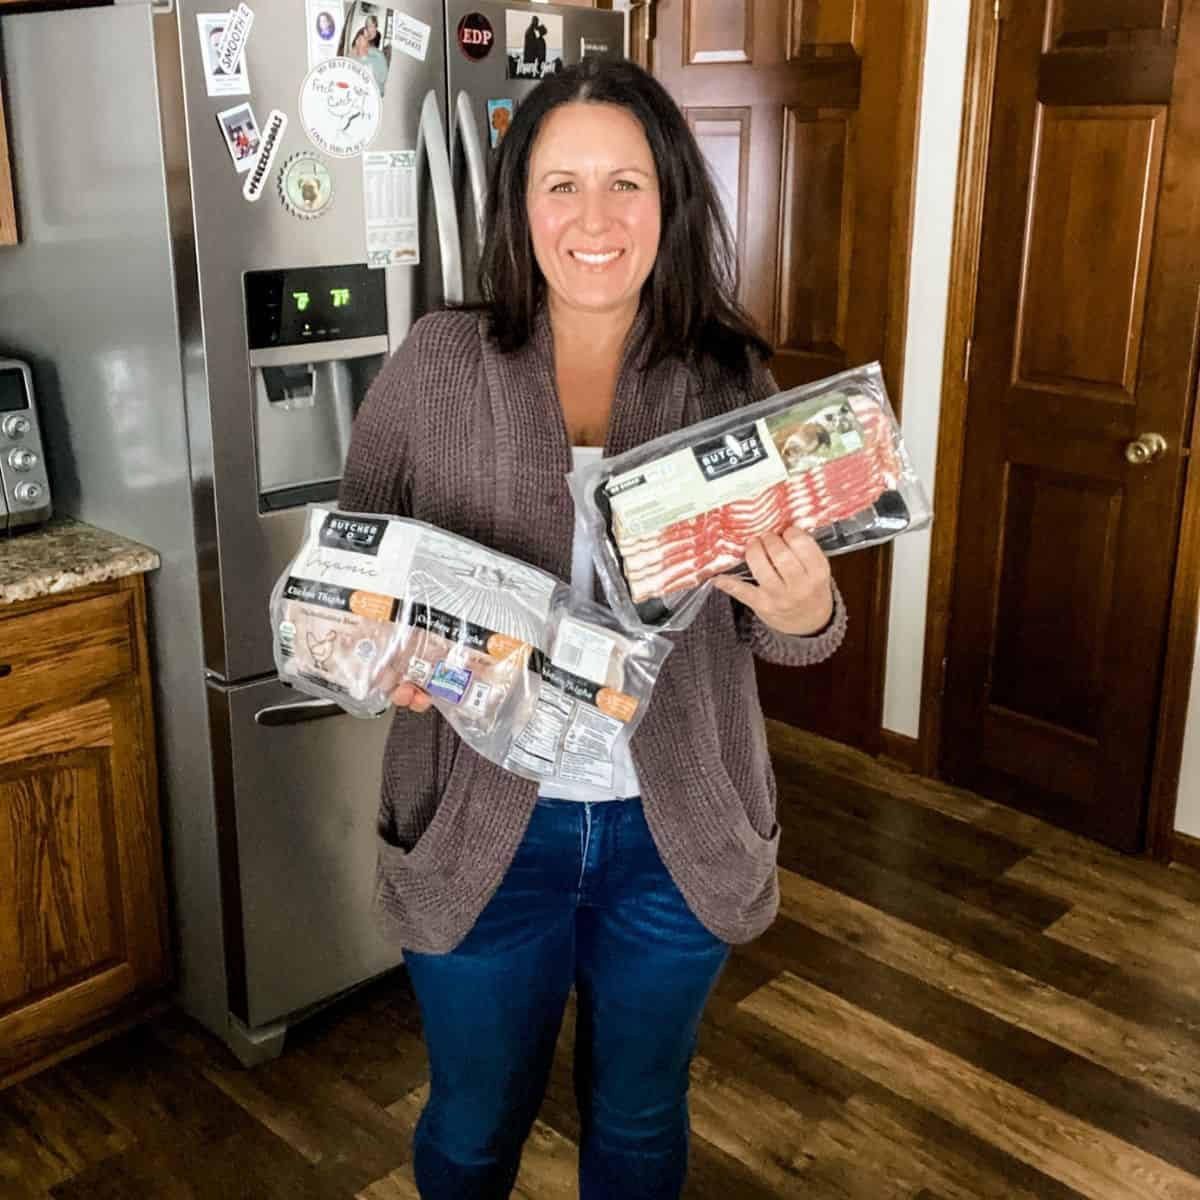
(545, 683)
(673, 513)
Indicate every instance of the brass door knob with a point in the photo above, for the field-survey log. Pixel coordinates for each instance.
(1150, 447)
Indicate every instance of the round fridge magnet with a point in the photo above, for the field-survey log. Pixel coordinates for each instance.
(340, 107)
(305, 185)
(476, 36)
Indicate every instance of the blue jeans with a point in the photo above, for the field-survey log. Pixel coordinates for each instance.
(587, 901)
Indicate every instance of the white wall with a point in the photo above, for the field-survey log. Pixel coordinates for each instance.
(1187, 815)
(929, 281)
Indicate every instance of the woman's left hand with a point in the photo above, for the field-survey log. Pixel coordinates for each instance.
(793, 589)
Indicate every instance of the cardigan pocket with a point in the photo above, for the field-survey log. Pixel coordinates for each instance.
(422, 854)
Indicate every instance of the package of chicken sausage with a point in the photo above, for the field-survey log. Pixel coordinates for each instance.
(669, 516)
(547, 684)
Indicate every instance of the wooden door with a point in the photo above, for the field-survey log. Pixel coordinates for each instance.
(804, 110)
(1084, 340)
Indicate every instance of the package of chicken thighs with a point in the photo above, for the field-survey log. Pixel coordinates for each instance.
(544, 683)
(671, 514)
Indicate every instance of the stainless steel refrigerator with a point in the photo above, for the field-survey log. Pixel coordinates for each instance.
(199, 357)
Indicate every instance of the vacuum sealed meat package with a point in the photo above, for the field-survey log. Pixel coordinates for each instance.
(668, 516)
(545, 684)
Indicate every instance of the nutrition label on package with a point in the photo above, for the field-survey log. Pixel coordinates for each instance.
(567, 740)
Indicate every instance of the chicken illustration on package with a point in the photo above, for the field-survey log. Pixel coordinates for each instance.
(543, 683)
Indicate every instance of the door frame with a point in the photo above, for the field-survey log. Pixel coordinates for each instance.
(1162, 842)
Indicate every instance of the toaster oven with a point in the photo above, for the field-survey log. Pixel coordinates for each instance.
(24, 484)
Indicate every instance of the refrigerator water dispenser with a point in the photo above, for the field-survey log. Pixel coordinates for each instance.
(317, 336)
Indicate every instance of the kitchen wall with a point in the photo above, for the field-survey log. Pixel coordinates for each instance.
(933, 222)
(1187, 815)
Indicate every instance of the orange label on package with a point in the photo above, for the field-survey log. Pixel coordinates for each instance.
(372, 606)
(500, 645)
(616, 704)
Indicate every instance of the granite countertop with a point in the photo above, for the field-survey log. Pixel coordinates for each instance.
(64, 554)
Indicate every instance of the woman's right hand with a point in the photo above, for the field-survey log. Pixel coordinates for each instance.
(409, 696)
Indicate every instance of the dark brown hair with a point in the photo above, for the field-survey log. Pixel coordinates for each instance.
(690, 295)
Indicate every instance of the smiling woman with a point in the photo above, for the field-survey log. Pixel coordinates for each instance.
(594, 213)
(608, 319)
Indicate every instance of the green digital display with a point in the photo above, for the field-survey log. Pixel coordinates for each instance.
(314, 304)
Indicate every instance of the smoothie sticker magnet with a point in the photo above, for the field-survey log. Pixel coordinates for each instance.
(533, 44)
(260, 173)
(242, 139)
(216, 81)
(390, 199)
(476, 36)
(233, 44)
(367, 38)
(411, 36)
(499, 118)
(340, 107)
(324, 19)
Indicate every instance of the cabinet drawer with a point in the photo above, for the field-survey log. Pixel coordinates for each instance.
(64, 652)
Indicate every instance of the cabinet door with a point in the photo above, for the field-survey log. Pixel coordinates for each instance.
(80, 924)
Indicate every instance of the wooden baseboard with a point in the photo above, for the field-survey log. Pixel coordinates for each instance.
(902, 749)
(134, 1011)
(1185, 850)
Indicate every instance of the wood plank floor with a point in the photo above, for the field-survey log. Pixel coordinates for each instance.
(958, 1002)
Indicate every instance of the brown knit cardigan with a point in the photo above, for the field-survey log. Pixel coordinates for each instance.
(472, 440)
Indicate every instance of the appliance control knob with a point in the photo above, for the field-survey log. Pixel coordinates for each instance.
(28, 492)
(16, 427)
(22, 460)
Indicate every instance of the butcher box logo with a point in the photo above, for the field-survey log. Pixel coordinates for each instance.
(738, 449)
(362, 535)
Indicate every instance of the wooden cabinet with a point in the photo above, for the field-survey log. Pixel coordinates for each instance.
(83, 939)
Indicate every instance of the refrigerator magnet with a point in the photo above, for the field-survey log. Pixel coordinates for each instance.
(216, 81)
(411, 36)
(367, 38)
(533, 44)
(233, 42)
(390, 200)
(324, 20)
(260, 172)
(340, 107)
(476, 36)
(240, 131)
(499, 119)
(305, 185)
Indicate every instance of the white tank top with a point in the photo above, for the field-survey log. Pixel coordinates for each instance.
(583, 579)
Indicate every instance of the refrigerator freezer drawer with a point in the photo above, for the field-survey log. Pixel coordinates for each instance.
(298, 794)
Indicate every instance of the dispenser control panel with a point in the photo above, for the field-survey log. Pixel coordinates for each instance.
(298, 305)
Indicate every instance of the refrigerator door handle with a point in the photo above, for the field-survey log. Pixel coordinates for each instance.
(297, 713)
(431, 142)
(466, 132)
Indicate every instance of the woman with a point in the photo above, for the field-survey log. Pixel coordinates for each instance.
(608, 320)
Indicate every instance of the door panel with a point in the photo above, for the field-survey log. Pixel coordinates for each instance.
(797, 109)
(1084, 340)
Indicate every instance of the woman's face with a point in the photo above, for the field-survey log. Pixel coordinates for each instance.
(594, 211)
